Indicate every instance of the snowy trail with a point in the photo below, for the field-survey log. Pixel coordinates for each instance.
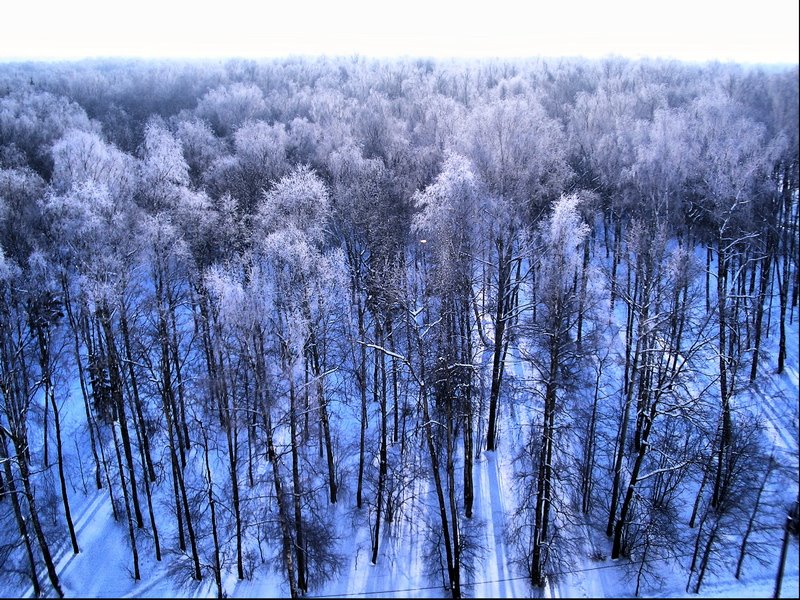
(749, 587)
(777, 399)
(496, 579)
(81, 525)
(784, 439)
(64, 556)
(101, 544)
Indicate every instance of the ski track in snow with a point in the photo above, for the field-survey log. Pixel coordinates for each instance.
(64, 556)
(776, 424)
(490, 506)
(776, 396)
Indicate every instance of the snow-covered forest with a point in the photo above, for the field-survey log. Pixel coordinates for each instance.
(355, 327)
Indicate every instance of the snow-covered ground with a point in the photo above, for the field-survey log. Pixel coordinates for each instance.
(102, 569)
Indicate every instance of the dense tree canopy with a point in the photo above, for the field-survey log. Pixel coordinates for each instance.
(268, 297)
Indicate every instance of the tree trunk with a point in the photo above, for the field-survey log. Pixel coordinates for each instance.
(380, 368)
(18, 516)
(615, 260)
(62, 478)
(395, 391)
(453, 568)
(712, 537)
(148, 492)
(582, 296)
(299, 544)
(622, 522)
(131, 531)
(137, 404)
(41, 330)
(782, 560)
(181, 498)
(623, 429)
(283, 512)
(40, 327)
(709, 256)
(233, 462)
(90, 423)
(455, 577)
(725, 391)
(751, 521)
(362, 387)
(213, 509)
(699, 496)
(466, 358)
(544, 479)
(34, 516)
(587, 468)
(322, 405)
(119, 406)
(175, 349)
(783, 287)
(501, 315)
(784, 280)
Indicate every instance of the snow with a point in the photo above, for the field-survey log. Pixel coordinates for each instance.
(501, 580)
(103, 568)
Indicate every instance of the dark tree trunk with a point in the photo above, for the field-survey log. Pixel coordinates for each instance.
(362, 387)
(231, 435)
(137, 404)
(712, 537)
(297, 491)
(34, 516)
(124, 485)
(283, 511)
(622, 436)
(622, 522)
(395, 391)
(751, 521)
(783, 287)
(709, 256)
(40, 327)
(322, 405)
(725, 387)
(212, 506)
(90, 423)
(175, 350)
(137, 426)
(500, 324)
(18, 516)
(545, 467)
(587, 468)
(62, 478)
(455, 577)
(453, 568)
(615, 260)
(119, 407)
(782, 560)
(699, 497)
(380, 371)
(582, 295)
(466, 358)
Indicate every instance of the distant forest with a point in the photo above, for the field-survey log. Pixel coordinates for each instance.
(262, 305)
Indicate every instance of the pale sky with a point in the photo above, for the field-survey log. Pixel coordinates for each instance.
(758, 31)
